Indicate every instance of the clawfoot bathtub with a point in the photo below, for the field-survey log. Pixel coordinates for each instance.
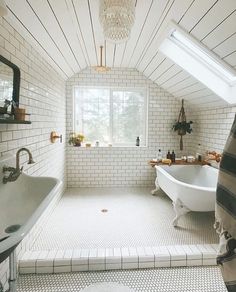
(190, 187)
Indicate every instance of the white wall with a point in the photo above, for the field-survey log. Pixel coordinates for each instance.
(211, 128)
(120, 166)
(42, 94)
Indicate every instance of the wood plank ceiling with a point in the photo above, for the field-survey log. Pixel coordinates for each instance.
(68, 34)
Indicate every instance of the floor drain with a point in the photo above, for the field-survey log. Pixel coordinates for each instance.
(104, 210)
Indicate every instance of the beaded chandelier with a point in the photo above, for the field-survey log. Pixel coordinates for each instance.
(117, 18)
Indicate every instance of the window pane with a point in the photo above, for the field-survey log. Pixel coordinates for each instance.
(129, 116)
(92, 110)
(110, 116)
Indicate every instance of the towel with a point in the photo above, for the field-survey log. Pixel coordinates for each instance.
(226, 211)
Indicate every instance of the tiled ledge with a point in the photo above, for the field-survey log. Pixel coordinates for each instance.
(62, 261)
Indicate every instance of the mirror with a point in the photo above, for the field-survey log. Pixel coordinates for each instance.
(9, 86)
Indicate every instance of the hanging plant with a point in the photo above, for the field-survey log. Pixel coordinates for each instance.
(182, 126)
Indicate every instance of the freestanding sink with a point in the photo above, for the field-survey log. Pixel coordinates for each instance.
(21, 204)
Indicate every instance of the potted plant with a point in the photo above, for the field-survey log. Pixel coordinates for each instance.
(76, 139)
(182, 127)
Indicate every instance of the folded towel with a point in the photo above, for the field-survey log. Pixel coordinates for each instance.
(226, 211)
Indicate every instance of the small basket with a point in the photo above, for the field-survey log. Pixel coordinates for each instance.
(19, 114)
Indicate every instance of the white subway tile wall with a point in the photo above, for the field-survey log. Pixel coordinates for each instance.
(211, 128)
(122, 166)
(42, 94)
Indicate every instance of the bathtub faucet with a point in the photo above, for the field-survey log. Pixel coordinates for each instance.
(16, 171)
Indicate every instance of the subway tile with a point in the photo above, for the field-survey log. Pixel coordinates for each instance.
(126, 266)
(80, 268)
(62, 269)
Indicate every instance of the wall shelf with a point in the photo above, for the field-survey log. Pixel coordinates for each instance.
(6, 121)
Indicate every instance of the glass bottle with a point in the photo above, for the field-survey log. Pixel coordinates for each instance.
(159, 155)
(168, 156)
(173, 156)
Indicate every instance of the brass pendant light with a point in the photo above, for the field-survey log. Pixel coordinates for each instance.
(100, 68)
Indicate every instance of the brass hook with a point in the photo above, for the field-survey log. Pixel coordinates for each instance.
(54, 136)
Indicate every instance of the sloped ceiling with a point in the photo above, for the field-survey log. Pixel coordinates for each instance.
(68, 34)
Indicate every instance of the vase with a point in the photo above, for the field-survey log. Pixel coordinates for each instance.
(181, 132)
(77, 144)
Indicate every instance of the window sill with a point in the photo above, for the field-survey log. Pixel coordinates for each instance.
(102, 147)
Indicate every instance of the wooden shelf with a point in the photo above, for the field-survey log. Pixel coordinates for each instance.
(178, 162)
(6, 121)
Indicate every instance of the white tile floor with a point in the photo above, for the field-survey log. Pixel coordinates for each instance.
(136, 232)
(197, 279)
(134, 218)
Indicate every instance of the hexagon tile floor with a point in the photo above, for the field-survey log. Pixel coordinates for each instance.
(197, 279)
(121, 217)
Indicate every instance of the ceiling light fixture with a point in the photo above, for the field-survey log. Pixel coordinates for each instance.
(3, 8)
(100, 68)
(117, 18)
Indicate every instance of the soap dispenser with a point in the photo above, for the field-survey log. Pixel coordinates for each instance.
(173, 156)
(159, 155)
(168, 156)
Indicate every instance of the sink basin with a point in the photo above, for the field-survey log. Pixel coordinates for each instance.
(21, 204)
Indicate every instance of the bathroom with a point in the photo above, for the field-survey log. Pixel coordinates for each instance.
(56, 46)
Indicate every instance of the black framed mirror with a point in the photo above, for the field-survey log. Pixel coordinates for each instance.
(9, 85)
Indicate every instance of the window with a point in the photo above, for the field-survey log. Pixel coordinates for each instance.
(199, 61)
(111, 115)
(201, 53)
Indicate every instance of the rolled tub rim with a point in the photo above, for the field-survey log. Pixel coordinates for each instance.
(161, 168)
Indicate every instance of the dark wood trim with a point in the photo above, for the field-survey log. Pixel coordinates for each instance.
(16, 79)
(8, 121)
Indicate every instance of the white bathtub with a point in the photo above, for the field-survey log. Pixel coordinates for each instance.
(190, 187)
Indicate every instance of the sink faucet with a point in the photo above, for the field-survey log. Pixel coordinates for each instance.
(15, 172)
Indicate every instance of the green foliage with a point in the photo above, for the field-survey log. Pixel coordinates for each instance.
(75, 139)
(184, 127)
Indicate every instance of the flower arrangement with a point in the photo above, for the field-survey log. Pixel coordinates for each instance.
(76, 139)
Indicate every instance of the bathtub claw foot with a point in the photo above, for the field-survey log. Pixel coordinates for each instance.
(155, 191)
(180, 210)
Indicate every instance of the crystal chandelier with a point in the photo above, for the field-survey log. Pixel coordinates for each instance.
(117, 19)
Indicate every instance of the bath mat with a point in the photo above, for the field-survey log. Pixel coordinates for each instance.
(107, 287)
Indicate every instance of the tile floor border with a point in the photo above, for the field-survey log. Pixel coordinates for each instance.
(102, 259)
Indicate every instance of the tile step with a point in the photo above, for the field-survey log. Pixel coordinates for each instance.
(101, 259)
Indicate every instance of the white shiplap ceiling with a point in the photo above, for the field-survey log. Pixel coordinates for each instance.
(68, 34)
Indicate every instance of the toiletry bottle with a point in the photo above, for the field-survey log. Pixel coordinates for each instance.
(168, 156)
(159, 155)
(173, 156)
(198, 154)
(138, 141)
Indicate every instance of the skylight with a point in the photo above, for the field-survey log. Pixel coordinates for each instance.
(200, 62)
(204, 56)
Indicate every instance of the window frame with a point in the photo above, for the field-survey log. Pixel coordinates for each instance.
(111, 89)
(197, 66)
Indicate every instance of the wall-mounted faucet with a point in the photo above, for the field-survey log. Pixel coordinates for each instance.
(15, 172)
